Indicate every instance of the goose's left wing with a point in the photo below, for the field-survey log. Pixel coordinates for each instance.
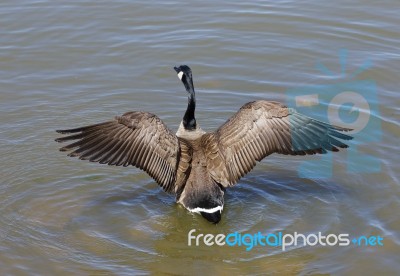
(261, 128)
(140, 139)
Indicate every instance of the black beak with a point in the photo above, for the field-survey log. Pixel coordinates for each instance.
(177, 69)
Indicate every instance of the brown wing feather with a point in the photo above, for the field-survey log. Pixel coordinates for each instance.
(140, 139)
(261, 128)
(184, 166)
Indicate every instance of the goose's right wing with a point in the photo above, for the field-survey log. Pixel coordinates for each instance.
(261, 128)
(140, 139)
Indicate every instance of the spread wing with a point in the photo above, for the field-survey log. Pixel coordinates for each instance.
(261, 128)
(140, 139)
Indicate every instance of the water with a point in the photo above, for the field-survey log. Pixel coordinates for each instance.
(70, 63)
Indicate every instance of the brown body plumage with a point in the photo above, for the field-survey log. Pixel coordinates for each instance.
(197, 166)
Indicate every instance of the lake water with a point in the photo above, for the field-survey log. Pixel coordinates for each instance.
(65, 64)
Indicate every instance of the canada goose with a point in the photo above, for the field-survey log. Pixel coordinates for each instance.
(197, 166)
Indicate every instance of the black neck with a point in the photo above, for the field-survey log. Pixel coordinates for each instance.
(189, 121)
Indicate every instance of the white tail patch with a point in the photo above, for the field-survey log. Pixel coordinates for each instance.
(210, 211)
(180, 74)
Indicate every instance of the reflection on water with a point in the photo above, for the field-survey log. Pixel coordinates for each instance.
(66, 64)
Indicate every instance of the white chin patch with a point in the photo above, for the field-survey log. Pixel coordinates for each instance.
(180, 74)
(210, 211)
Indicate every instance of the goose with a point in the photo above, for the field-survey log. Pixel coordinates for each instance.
(197, 166)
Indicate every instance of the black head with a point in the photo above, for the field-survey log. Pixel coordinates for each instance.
(185, 75)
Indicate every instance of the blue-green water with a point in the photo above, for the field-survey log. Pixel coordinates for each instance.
(70, 63)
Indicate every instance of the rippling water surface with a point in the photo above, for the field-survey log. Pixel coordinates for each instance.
(70, 63)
